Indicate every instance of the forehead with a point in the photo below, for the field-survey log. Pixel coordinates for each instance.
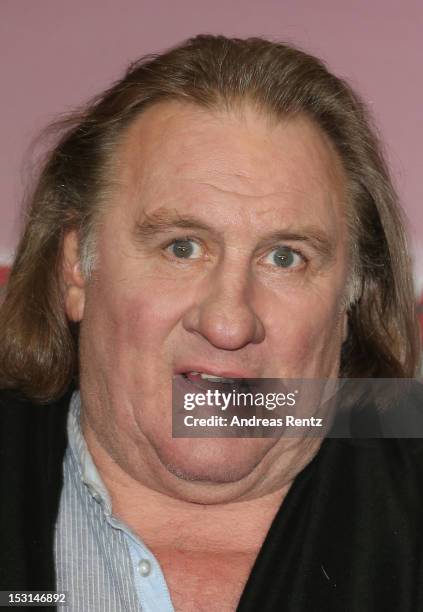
(177, 154)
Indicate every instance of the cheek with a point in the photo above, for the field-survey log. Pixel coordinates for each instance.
(306, 329)
(130, 321)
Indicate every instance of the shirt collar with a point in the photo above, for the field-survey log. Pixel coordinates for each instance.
(82, 456)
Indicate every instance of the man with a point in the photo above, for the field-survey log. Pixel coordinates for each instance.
(222, 211)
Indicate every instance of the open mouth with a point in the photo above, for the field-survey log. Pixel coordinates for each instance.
(199, 376)
(204, 381)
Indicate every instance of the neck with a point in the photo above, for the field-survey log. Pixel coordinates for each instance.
(165, 521)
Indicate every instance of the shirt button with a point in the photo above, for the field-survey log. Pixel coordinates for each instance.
(144, 567)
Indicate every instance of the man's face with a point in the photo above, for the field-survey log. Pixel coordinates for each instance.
(224, 251)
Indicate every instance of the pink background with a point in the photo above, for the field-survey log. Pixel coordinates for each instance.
(56, 53)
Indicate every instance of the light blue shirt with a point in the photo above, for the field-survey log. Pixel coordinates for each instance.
(100, 562)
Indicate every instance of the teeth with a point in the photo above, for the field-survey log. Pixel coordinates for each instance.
(215, 378)
(205, 376)
(210, 377)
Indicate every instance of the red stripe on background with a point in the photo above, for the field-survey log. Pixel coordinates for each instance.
(4, 274)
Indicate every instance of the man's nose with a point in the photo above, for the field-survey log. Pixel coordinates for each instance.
(223, 312)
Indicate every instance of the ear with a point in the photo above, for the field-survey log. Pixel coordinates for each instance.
(73, 280)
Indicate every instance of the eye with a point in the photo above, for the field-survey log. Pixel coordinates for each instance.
(285, 257)
(184, 248)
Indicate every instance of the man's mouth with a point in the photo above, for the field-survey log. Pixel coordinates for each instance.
(197, 376)
(205, 380)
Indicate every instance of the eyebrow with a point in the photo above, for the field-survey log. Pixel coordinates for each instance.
(167, 220)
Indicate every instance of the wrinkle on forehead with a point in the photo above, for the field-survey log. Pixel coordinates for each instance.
(257, 197)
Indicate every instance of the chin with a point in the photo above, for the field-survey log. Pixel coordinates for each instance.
(212, 460)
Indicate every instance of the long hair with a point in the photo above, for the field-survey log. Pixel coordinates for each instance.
(38, 346)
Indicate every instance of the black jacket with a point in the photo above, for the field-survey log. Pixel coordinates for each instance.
(348, 536)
